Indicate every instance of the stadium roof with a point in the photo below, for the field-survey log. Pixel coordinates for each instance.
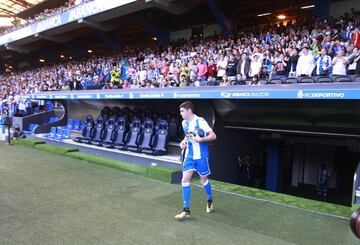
(10, 8)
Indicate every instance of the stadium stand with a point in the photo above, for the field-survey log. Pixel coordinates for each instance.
(216, 60)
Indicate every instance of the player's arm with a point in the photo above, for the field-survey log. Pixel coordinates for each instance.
(211, 136)
(183, 143)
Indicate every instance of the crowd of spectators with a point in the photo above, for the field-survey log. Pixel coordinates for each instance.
(42, 15)
(304, 48)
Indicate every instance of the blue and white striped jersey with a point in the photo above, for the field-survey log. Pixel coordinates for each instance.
(196, 150)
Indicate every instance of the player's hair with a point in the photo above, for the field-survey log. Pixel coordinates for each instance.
(187, 105)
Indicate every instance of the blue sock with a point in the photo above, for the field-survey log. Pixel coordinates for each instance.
(207, 188)
(186, 194)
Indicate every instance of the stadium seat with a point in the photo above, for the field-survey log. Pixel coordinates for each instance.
(290, 80)
(263, 82)
(87, 132)
(160, 139)
(342, 79)
(29, 129)
(52, 133)
(82, 125)
(306, 80)
(145, 137)
(324, 80)
(59, 133)
(62, 133)
(98, 132)
(76, 125)
(70, 124)
(356, 78)
(66, 133)
(248, 81)
(49, 106)
(131, 138)
(110, 133)
(121, 131)
(275, 81)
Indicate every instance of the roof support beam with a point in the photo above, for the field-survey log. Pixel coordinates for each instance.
(50, 38)
(11, 7)
(23, 3)
(96, 26)
(16, 48)
(7, 11)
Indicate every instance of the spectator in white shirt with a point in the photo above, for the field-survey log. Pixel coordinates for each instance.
(255, 66)
(339, 63)
(221, 66)
(305, 63)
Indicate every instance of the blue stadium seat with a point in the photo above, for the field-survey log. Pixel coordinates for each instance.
(82, 125)
(87, 132)
(70, 124)
(121, 130)
(145, 137)
(131, 138)
(49, 106)
(53, 119)
(66, 133)
(110, 133)
(59, 133)
(77, 125)
(98, 134)
(52, 133)
(29, 129)
(161, 139)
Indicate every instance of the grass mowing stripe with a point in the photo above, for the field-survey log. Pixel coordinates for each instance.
(331, 209)
(161, 173)
(128, 167)
(299, 202)
(28, 142)
(56, 150)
